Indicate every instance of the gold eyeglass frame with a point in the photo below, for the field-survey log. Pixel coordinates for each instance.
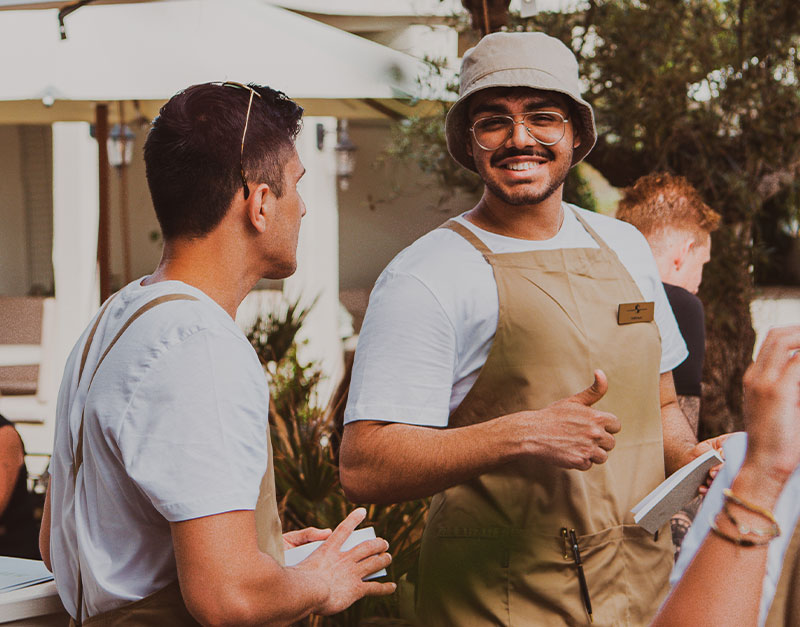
(253, 92)
(514, 123)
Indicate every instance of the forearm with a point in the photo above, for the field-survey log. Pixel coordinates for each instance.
(384, 462)
(226, 580)
(711, 588)
(274, 595)
(679, 439)
(690, 406)
(392, 462)
(238, 585)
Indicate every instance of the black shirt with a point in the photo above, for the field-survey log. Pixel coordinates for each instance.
(689, 313)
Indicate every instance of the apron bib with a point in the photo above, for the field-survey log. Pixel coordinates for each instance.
(166, 606)
(492, 551)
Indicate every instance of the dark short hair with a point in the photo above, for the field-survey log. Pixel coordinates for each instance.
(660, 200)
(192, 152)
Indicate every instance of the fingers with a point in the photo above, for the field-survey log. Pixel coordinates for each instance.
(373, 564)
(595, 391)
(346, 527)
(367, 548)
(606, 442)
(718, 442)
(778, 348)
(377, 588)
(609, 422)
(304, 536)
(599, 457)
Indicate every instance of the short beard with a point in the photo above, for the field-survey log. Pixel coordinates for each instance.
(522, 195)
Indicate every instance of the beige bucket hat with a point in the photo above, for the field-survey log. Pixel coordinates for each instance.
(531, 60)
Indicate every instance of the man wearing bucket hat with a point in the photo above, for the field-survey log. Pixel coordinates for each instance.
(502, 358)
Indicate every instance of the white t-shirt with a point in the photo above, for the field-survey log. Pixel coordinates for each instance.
(175, 429)
(787, 513)
(432, 317)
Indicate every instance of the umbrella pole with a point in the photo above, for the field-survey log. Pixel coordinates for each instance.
(124, 221)
(103, 235)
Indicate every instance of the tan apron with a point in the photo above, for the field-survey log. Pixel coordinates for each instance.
(785, 608)
(492, 551)
(166, 606)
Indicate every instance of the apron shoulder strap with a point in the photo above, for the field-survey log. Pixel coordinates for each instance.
(468, 235)
(77, 460)
(90, 338)
(600, 241)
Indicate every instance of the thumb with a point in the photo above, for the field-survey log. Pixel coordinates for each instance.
(595, 391)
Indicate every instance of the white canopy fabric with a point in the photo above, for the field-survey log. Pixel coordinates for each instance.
(147, 51)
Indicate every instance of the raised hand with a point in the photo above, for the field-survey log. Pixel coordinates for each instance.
(772, 404)
(341, 574)
(570, 433)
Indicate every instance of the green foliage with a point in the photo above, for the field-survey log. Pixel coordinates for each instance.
(421, 141)
(578, 191)
(274, 335)
(304, 439)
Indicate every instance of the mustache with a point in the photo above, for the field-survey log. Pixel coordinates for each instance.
(542, 152)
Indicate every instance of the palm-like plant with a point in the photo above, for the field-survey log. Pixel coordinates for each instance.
(305, 442)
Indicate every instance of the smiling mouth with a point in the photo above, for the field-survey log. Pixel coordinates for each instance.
(518, 167)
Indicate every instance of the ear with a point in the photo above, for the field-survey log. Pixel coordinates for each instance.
(683, 252)
(468, 145)
(577, 136)
(258, 206)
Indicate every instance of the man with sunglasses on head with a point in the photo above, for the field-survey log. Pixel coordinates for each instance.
(515, 364)
(161, 509)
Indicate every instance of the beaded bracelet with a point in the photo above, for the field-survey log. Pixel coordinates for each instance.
(772, 532)
(762, 511)
(745, 542)
(764, 536)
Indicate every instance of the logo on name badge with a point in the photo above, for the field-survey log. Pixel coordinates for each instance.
(628, 313)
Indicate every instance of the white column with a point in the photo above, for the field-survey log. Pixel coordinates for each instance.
(317, 273)
(75, 223)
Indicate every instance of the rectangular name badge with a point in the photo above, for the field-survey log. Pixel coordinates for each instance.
(628, 313)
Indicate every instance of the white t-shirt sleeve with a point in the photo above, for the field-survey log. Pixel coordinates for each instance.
(404, 320)
(673, 346)
(198, 444)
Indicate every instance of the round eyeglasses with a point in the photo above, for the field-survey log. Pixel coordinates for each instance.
(546, 127)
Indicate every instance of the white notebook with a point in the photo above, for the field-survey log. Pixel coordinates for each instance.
(16, 573)
(674, 492)
(294, 556)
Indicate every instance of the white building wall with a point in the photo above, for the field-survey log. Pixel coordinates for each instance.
(317, 275)
(388, 206)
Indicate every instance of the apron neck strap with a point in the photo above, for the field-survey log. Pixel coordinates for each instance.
(600, 241)
(473, 239)
(89, 339)
(468, 235)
